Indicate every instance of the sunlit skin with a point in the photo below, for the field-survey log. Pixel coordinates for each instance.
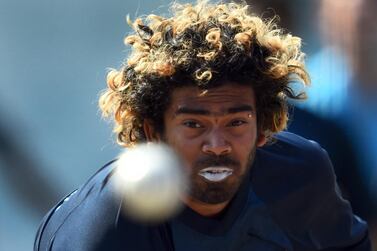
(221, 122)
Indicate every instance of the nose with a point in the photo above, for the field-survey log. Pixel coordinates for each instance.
(216, 144)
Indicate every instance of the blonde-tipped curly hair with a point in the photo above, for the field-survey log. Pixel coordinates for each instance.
(204, 45)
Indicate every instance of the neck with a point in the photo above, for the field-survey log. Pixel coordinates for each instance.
(204, 209)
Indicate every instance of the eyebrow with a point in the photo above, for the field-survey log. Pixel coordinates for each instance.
(199, 111)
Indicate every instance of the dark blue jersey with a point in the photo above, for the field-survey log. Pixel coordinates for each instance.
(290, 201)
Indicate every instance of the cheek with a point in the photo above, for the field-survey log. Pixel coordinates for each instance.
(244, 145)
(187, 149)
(247, 136)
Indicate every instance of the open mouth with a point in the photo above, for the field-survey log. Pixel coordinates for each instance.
(216, 174)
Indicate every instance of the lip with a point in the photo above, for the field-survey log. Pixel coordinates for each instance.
(216, 174)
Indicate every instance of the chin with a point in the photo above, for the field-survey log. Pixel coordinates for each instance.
(215, 192)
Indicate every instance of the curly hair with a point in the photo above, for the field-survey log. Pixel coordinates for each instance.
(204, 45)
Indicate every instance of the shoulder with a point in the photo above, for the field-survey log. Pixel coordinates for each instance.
(290, 144)
(294, 158)
(90, 218)
(289, 171)
(295, 179)
(82, 216)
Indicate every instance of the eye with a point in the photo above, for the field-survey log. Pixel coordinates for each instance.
(237, 122)
(192, 124)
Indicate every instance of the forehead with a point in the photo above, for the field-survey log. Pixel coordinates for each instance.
(218, 99)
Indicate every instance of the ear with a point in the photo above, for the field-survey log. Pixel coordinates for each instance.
(150, 131)
(261, 140)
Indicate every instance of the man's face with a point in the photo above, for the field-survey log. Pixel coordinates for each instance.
(215, 134)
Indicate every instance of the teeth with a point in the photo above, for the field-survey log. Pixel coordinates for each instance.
(216, 174)
(216, 169)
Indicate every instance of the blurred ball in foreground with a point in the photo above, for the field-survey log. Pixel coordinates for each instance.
(151, 181)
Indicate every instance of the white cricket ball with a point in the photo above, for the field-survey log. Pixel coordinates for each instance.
(151, 180)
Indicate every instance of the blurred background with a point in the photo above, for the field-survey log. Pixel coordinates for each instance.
(54, 56)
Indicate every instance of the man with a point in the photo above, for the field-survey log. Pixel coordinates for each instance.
(212, 82)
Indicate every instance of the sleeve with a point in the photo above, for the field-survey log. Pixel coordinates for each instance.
(296, 180)
(90, 219)
(80, 219)
(48, 228)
